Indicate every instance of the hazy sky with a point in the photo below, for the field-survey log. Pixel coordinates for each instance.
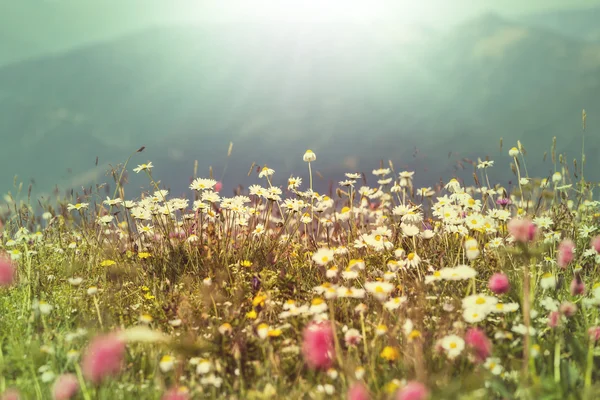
(30, 27)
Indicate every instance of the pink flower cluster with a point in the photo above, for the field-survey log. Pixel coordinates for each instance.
(413, 391)
(65, 387)
(479, 342)
(318, 345)
(498, 283)
(7, 271)
(358, 391)
(103, 358)
(176, 394)
(566, 251)
(523, 230)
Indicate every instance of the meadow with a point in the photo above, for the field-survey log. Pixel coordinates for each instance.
(378, 290)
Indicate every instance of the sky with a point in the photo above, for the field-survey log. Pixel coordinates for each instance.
(56, 25)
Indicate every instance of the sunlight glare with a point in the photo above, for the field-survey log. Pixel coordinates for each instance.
(316, 11)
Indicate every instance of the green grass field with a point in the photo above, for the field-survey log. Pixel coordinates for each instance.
(475, 292)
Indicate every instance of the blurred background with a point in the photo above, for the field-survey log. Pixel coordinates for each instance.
(427, 84)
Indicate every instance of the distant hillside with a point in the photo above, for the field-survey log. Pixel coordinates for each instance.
(354, 96)
(578, 24)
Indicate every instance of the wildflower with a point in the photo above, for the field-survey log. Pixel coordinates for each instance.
(480, 343)
(327, 389)
(412, 260)
(460, 272)
(332, 272)
(309, 156)
(92, 290)
(358, 391)
(577, 286)
(553, 319)
(453, 186)
(354, 293)
(78, 206)
(406, 178)
(522, 330)
(413, 391)
(65, 387)
(568, 309)
(266, 172)
(199, 184)
(317, 345)
(103, 357)
(409, 230)
(556, 177)
(493, 365)
(379, 289)
(548, 281)
(389, 353)
(225, 328)
(359, 372)
(294, 183)
(472, 249)
(427, 234)
(505, 308)
(523, 230)
(176, 393)
(565, 253)
(7, 272)
(143, 167)
(107, 263)
(394, 303)
(480, 301)
(453, 345)
(11, 394)
(317, 306)
(498, 283)
(43, 307)
(262, 330)
(513, 152)
(349, 274)
(203, 367)
(381, 329)
(485, 164)
(212, 379)
(473, 315)
(356, 264)
(595, 243)
(146, 319)
(166, 363)
(72, 355)
(323, 256)
(594, 333)
(352, 337)
(436, 276)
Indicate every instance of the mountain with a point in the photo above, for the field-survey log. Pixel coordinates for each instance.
(579, 24)
(355, 95)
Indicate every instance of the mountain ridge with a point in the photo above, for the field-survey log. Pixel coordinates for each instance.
(178, 89)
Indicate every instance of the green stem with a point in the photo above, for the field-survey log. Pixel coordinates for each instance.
(557, 359)
(84, 390)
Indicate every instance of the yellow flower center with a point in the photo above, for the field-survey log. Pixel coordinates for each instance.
(317, 301)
